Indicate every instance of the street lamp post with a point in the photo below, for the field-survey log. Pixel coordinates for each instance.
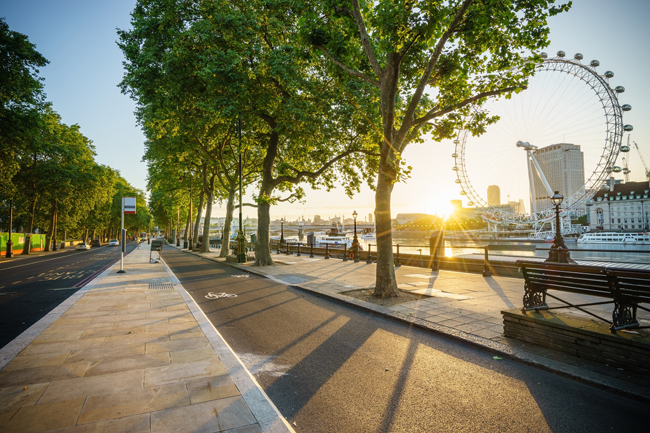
(10, 244)
(241, 238)
(558, 253)
(178, 233)
(355, 241)
(281, 232)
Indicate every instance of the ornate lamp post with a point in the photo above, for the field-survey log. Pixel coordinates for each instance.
(10, 244)
(355, 240)
(558, 252)
(281, 232)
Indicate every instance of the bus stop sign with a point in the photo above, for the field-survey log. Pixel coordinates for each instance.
(129, 205)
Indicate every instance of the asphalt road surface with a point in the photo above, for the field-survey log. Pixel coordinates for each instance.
(31, 287)
(333, 368)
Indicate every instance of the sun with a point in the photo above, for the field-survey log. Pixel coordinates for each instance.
(441, 206)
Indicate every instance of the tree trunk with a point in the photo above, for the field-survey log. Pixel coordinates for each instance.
(230, 209)
(197, 221)
(205, 246)
(30, 229)
(262, 246)
(65, 235)
(385, 284)
(187, 225)
(50, 231)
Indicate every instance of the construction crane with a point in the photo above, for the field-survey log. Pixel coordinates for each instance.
(645, 166)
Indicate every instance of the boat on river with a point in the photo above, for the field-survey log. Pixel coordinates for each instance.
(615, 238)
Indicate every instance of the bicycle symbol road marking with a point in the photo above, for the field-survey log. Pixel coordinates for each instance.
(212, 295)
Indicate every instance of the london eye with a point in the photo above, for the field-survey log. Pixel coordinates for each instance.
(564, 132)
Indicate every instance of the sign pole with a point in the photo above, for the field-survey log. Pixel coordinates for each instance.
(123, 242)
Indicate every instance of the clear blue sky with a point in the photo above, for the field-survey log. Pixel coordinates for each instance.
(78, 37)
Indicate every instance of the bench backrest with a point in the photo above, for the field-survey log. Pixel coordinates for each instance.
(631, 283)
(584, 280)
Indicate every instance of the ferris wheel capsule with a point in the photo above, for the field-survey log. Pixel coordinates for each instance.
(463, 193)
(619, 89)
(590, 202)
(561, 54)
(594, 63)
(454, 155)
(457, 181)
(609, 74)
(626, 107)
(616, 169)
(456, 141)
(470, 203)
(628, 128)
(625, 148)
(543, 55)
(578, 56)
(455, 168)
(604, 187)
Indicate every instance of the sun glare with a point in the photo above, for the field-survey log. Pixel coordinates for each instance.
(441, 207)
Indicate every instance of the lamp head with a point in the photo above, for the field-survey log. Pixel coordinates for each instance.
(557, 198)
(355, 214)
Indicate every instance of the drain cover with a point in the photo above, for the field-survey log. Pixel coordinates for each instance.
(155, 285)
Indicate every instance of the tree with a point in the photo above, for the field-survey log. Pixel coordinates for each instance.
(429, 63)
(21, 97)
(245, 60)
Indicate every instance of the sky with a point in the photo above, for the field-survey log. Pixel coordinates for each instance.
(78, 37)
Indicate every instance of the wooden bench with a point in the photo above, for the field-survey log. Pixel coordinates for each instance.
(626, 288)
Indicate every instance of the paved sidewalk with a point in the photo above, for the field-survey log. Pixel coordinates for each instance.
(462, 305)
(129, 352)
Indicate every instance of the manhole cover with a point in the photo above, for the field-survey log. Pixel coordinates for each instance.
(155, 285)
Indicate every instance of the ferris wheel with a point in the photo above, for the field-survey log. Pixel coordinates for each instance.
(563, 132)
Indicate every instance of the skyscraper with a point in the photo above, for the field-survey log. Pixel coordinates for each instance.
(563, 166)
(494, 195)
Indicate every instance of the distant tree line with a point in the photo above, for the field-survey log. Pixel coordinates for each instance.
(48, 172)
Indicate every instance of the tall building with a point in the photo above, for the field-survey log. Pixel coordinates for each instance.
(563, 165)
(494, 195)
(370, 218)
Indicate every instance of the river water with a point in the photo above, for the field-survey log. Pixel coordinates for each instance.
(412, 245)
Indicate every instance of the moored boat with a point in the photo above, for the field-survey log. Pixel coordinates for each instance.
(615, 238)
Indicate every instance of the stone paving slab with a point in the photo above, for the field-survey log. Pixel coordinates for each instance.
(120, 356)
(463, 305)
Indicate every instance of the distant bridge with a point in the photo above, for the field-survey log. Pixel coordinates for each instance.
(318, 227)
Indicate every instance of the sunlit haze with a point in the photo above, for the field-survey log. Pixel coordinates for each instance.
(78, 38)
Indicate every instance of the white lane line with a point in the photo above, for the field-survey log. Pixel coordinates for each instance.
(46, 260)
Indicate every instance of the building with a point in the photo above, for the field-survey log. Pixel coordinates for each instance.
(494, 195)
(403, 218)
(564, 167)
(370, 217)
(625, 207)
(517, 207)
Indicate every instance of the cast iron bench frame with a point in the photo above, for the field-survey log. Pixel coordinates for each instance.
(626, 288)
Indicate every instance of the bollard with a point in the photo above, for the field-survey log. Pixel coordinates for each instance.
(345, 253)
(421, 262)
(298, 255)
(356, 254)
(434, 262)
(327, 251)
(311, 251)
(278, 247)
(486, 266)
(397, 263)
(369, 257)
